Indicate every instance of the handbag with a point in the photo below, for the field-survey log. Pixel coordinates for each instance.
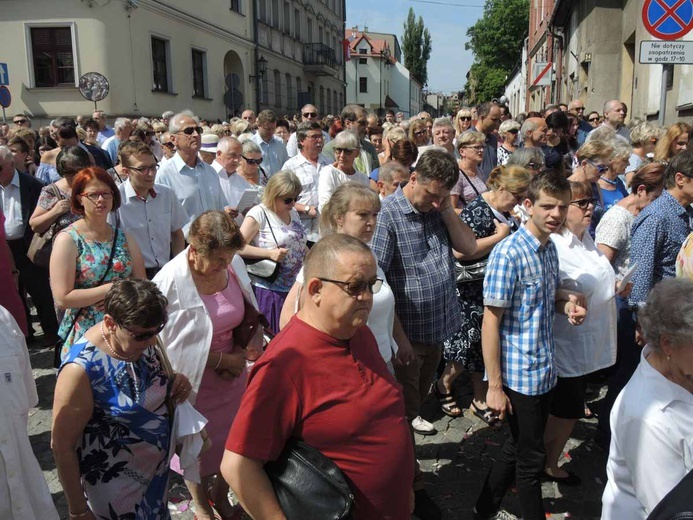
(470, 272)
(41, 245)
(264, 267)
(252, 321)
(59, 344)
(309, 485)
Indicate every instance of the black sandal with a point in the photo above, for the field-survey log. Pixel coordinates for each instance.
(487, 415)
(447, 402)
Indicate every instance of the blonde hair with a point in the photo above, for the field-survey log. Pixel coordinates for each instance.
(594, 149)
(342, 200)
(281, 184)
(395, 134)
(515, 179)
(663, 149)
(470, 137)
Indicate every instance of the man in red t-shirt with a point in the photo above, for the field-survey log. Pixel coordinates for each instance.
(323, 380)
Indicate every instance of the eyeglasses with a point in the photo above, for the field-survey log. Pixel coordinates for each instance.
(252, 161)
(170, 146)
(465, 118)
(583, 204)
(143, 336)
(315, 137)
(95, 195)
(290, 200)
(601, 168)
(356, 289)
(535, 166)
(309, 114)
(20, 121)
(593, 119)
(191, 130)
(343, 150)
(579, 109)
(420, 133)
(144, 169)
(475, 148)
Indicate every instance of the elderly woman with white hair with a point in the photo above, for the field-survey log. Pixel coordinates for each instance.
(652, 420)
(611, 187)
(508, 131)
(346, 149)
(250, 166)
(643, 138)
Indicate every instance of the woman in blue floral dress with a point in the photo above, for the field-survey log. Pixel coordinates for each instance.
(489, 216)
(80, 271)
(273, 230)
(111, 423)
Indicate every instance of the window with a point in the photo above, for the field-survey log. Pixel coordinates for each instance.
(277, 89)
(275, 14)
(328, 107)
(264, 99)
(299, 93)
(236, 6)
(199, 59)
(53, 58)
(290, 102)
(363, 85)
(263, 10)
(297, 24)
(309, 31)
(287, 18)
(323, 109)
(320, 35)
(160, 64)
(341, 100)
(363, 61)
(363, 51)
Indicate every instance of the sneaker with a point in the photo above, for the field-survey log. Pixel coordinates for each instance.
(423, 427)
(500, 515)
(424, 506)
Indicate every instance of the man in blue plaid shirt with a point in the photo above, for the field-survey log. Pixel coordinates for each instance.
(521, 296)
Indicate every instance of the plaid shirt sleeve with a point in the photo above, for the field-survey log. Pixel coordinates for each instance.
(500, 278)
(646, 244)
(383, 242)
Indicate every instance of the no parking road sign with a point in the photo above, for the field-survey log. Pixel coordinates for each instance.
(668, 19)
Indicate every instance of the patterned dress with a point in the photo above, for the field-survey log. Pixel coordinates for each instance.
(92, 261)
(464, 347)
(123, 454)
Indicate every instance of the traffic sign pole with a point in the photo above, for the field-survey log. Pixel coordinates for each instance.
(663, 95)
(4, 119)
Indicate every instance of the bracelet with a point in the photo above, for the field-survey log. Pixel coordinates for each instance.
(80, 515)
(219, 362)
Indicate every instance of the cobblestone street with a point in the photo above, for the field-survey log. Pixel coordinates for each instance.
(456, 459)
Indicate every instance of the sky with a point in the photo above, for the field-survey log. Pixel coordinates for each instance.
(447, 24)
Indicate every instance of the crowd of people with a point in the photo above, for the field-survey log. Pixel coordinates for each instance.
(214, 290)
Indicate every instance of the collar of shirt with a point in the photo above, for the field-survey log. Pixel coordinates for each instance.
(219, 168)
(179, 163)
(662, 390)
(130, 192)
(528, 237)
(15, 179)
(403, 202)
(572, 241)
(670, 200)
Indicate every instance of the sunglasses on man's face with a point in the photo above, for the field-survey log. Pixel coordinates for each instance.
(310, 114)
(20, 121)
(191, 130)
(252, 161)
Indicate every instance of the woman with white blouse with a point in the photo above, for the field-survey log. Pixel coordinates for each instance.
(346, 149)
(652, 420)
(581, 350)
(353, 210)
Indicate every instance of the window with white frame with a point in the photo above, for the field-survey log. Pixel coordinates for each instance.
(52, 56)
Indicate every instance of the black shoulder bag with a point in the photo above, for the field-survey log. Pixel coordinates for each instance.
(59, 344)
(265, 268)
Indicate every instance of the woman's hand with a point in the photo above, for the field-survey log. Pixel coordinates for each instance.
(61, 207)
(625, 293)
(180, 387)
(502, 229)
(313, 211)
(233, 363)
(278, 253)
(87, 515)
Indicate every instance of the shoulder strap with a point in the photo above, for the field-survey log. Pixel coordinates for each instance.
(470, 182)
(270, 226)
(110, 257)
(56, 191)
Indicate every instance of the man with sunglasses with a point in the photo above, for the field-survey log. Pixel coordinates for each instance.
(355, 118)
(194, 182)
(336, 393)
(308, 114)
(577, 108)
(272, 147)
(21, 121)
(152, 215)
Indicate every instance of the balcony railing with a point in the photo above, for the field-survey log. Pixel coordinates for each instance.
(319, 54)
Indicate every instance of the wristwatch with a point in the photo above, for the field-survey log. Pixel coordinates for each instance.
(307, 210)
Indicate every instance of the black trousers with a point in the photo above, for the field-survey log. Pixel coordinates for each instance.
(34, 280)
(522, 458)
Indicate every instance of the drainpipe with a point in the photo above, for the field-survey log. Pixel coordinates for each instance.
(256, 54)
(344, 81)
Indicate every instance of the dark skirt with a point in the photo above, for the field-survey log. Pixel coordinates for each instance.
(270, 304)
(464, 347)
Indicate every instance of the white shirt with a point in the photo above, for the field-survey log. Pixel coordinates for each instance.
(12, 208)
(292, 144)
(107, 141)
(273, 153)
(651, 443)
(152, 221)
(381, 319)
(24, 494)
(232, 185)
(197, 189)
(308, 174)
(591, 346)
(331, 178)
(188, 331)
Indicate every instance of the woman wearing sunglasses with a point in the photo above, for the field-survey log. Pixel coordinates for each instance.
(508, 132)
(81, 268)
(249, 167)
(273, 230)
(463, 121)
(111, 423)
(594, 119)
(346, 149)
(418, 132)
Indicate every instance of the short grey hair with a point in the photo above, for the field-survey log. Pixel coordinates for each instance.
(174, 123)
(508, 125)
(530, 125)
(6, 154)
(121, 123)
(640, 134)
(387, 171)
(167, 115)
(347, 139)
(226, 142)
(443, 122)
(250, 147)
(524, 156)
(622, 150)
(668, 311)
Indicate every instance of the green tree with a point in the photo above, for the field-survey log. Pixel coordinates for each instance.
(496, 40)
(416, 45)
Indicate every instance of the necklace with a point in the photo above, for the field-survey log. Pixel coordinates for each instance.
(115, 354)
(609, 181)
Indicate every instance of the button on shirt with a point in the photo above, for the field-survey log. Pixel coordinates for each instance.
(12, 208)
(521, 277)
(273, 153)
(656, 238)
(414, 251)
(197, 189)
(309, 175)
(151, 221)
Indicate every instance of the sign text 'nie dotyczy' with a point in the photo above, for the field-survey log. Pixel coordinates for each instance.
(676, 52)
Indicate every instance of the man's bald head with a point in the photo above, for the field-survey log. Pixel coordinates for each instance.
(323, 259)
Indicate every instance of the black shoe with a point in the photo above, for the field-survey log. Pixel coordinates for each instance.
(571, 480)
(424, 507)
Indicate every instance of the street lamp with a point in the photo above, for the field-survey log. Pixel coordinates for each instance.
(261, 68)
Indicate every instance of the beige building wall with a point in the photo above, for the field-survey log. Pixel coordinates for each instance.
(116, 42)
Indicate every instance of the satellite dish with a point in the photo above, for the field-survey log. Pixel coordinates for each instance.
(94, 86)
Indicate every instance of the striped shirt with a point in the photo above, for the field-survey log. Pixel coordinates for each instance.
(414, 251)
(522, 276)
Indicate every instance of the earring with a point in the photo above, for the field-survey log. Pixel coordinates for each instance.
(668, 357)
